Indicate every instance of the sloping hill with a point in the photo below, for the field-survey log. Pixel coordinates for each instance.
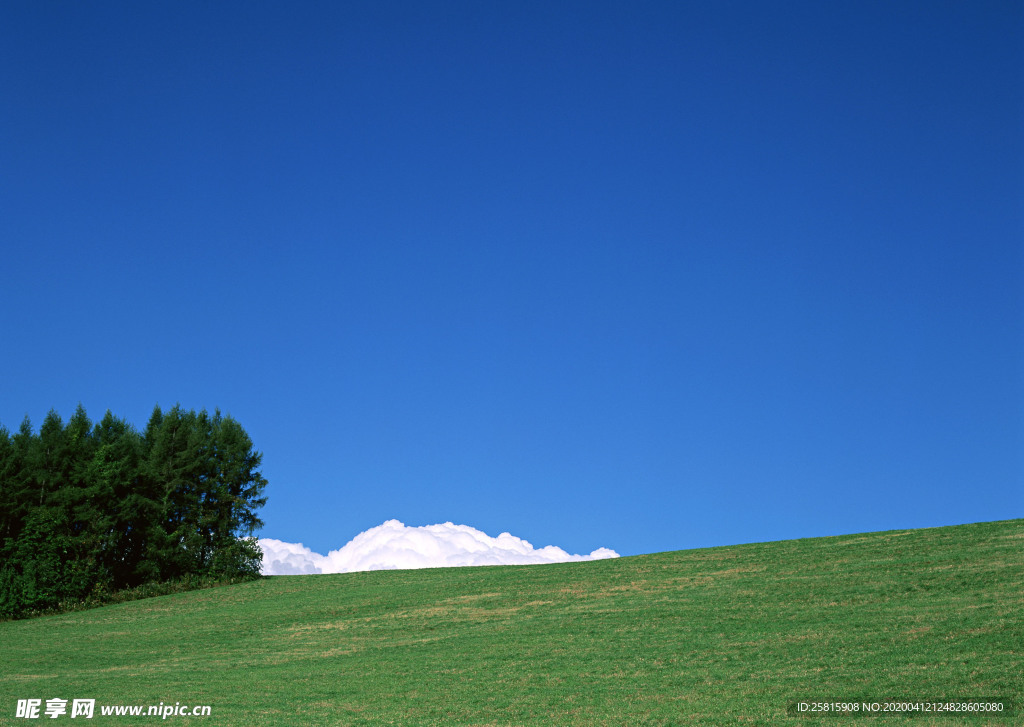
(728, 635)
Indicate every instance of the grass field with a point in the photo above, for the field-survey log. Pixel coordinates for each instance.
(717, 636)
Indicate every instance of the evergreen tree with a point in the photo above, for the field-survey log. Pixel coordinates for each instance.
(81, 503)
(126, 529)
(18, 482)
(212, 489)
(239, 493)
(174, 462)
(50, 463)
(88, 508)
(8, 501)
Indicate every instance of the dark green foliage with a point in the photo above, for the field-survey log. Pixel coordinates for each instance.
(86, 510)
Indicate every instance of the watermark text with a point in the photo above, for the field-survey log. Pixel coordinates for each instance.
(87, 708)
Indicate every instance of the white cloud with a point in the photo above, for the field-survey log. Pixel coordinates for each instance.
(395, 545)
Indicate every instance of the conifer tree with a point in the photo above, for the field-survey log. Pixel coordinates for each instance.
(8, 501)
(88, 508)
(49, 458)
(18, 480)
(238, 494)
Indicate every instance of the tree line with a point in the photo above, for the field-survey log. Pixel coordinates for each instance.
(89, 509)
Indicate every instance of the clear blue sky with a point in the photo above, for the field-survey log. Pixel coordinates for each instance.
(646, 276)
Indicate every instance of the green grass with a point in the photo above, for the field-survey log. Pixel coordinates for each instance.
(716, 636)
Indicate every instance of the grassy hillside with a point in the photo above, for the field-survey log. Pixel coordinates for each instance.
(717, 636)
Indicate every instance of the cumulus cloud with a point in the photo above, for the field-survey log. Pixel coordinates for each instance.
(396, 545)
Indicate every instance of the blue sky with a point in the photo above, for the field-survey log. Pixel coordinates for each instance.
(644, 276)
